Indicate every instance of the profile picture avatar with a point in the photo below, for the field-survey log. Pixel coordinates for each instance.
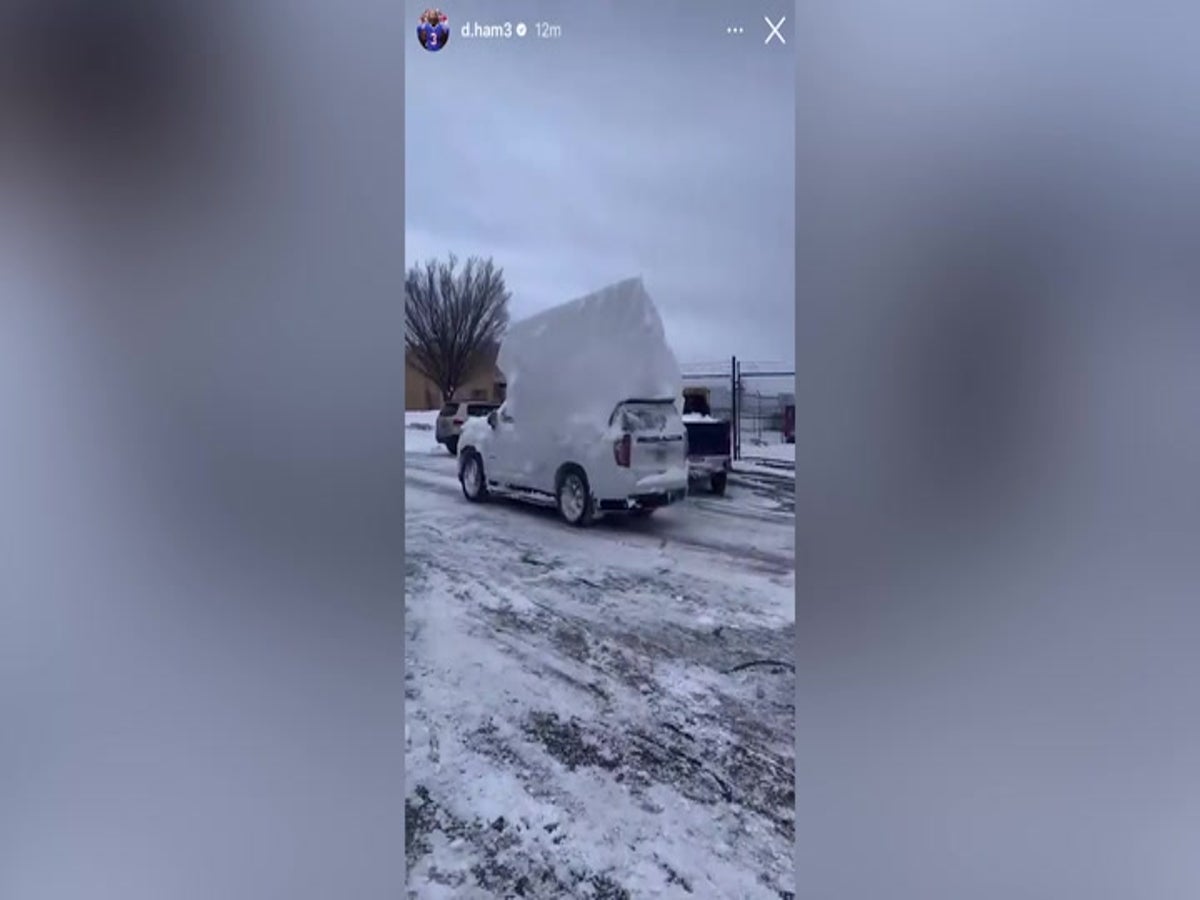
(433, 32)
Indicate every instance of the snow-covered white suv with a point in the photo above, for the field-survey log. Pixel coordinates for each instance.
(635, 464)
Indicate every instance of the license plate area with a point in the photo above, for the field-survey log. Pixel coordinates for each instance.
(660, 451)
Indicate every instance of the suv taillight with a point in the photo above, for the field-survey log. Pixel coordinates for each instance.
(459, 421)
(621, 451)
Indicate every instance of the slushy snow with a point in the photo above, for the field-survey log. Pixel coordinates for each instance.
(574, 726)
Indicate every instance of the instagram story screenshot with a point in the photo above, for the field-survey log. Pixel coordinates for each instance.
(599, 450)
(400, 487)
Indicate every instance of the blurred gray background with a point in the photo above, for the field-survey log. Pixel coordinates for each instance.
(997, 351)
(201, 531)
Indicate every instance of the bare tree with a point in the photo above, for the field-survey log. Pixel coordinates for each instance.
(453, 318)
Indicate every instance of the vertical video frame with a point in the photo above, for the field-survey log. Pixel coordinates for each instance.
(600, 450)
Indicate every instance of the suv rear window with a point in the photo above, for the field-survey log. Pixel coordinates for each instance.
(641, 416)
(450, 409)
(480, 409)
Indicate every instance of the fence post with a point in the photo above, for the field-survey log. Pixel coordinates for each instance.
(739, 409)
(734, 413)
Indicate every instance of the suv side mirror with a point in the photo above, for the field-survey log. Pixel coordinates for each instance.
(491, 419)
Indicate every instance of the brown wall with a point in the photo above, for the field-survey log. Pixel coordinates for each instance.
(421, 393)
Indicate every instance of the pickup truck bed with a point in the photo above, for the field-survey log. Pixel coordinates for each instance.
(708, 451)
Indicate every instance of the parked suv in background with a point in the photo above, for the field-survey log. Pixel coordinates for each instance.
(454, 415)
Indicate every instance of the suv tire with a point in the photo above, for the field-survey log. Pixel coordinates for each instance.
(574, 497)
(472, 477)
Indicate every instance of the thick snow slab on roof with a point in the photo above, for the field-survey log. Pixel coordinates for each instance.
(575, 362)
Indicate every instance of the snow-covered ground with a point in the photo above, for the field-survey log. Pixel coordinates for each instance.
(779, 466)
(577, 722)
(767, 445)
(418, 425)
(766, 454)
(780, 452)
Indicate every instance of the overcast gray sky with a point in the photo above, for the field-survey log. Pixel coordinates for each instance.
(651, 144)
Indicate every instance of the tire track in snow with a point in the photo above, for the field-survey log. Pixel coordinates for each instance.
(605, 690)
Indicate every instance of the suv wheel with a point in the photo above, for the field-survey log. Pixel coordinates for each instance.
(717, 484)
(452, 445)
(575, 498)
(472, 477)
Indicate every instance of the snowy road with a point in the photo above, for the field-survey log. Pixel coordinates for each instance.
(574, 726)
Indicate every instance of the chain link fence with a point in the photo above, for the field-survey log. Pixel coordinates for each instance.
(755, 397)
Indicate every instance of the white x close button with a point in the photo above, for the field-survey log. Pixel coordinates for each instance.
(774, 29)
